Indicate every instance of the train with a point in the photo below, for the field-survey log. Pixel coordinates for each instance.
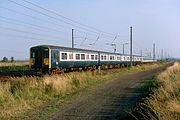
(57, 59)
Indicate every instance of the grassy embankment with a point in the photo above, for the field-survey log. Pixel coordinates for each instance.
(32, 98)
(14, 66)
(164, 101)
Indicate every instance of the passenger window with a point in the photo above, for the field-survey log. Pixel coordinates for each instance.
(111, 57)
(70, 56)
(92, 57)
(64, 56)
(82, 56)
(77, 56)
(87, 57)
(102, 57)
(118, 58)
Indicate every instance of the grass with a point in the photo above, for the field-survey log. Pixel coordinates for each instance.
(164, 101)
(16, 63)
(34, 97)
(14, 66)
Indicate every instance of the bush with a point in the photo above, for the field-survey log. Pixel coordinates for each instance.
(5, 59)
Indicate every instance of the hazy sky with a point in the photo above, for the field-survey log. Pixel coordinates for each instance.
(153, 21)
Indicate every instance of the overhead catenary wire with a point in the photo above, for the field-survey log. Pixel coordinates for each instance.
(30, 24)
(78, 27)
(12, 51)
(49, 16)
(33, 26)
(114, 39)
(29, 38)
(35, 18)
(55, 13)
(26, 32)
(26, 25)
(95, 41)
(52, 17)
(83, 41)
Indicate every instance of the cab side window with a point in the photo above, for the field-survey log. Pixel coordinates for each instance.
(33, 55)
(46, 53)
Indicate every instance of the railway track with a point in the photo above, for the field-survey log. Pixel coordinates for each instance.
(6, 76)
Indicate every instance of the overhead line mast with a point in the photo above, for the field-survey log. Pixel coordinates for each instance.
(131, 46)
(72, 38)
(154, 51)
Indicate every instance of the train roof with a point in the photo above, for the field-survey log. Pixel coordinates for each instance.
(78, 49)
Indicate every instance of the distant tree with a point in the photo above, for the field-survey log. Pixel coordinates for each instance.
(5, 59)
(12, 59)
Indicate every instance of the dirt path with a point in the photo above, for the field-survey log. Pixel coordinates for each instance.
(109, 101)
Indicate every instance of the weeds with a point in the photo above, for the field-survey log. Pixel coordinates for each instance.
(164, 102)
(20, 63)
(24, 94)
(14, 66)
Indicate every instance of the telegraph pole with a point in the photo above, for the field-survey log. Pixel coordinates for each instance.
(154, 52)
(123, 49)
(165, 56)
(131, 46)
(141, 52)
(72, 38)
(162, 54)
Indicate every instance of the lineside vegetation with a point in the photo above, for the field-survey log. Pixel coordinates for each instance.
(15, 63)
(34, 97)
(14, 66)
(164, 102)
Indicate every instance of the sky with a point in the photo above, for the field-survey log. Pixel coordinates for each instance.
(97, 24)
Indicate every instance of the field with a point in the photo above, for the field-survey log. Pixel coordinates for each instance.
(164, 100)
(21, 96)
(15, 63)
(14, 66)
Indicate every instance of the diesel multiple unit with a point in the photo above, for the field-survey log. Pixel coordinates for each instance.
(49, 58)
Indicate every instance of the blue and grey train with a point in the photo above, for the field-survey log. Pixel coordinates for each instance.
(48, 58)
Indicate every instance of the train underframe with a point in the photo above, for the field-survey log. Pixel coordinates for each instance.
(60, 70)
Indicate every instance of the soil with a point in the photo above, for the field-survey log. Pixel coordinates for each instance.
(110, 100)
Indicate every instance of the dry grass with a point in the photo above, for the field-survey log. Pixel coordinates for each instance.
(16, 63)
(23, 94)
(164, 104)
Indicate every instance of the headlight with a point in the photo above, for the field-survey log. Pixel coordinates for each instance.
(32, 61)
(46, 61)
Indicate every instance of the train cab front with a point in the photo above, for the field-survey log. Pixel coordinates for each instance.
(40, 58)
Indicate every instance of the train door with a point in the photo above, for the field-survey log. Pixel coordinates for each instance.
(55, 59)
(38, 57)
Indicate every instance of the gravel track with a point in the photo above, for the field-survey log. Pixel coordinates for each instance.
(109, 101)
